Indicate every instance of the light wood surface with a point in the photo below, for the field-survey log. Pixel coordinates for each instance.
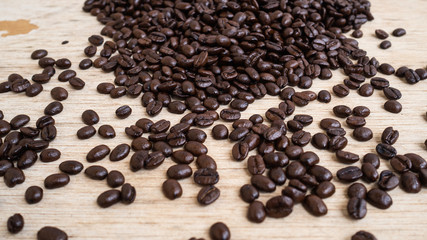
(152, 216)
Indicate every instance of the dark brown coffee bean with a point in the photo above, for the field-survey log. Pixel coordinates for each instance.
(295, 170)
(366, 90)
(219, 132)
(15, 223)
(77, 83)
(411, 77)
(105, 88)
(208, 194)
(379, 198)
(263, 183)
(315, 205)
(115, 179)
(341, 90)
(329, 123)
(362, 134)
(389, 136)
(128, 193)
(67, 75)
(372, 159)
(63, 63)
(53, 108)
(381, 34)
(355, 121)
(71, 167)
(17, 122)
(398, 32)
(324, 96)
(172, 189)
(46, 62)
(388, 181)
(361, 111)
(98, 153)
(59, 93)
(206, 176)
(370, 173)
(205, 161)
(386, 69)
(423, 177)
(96, 40)
(56, 180)
(154, 108)
(349, 174)
(386, 151)
(195, 148)
(34, 90)
(392, 93)
(50, 155)
(357, 190)
(357, 33)
(342, 111)
(90, 51)
(107, 131)
(230, 115)
(109, 198)
(256, 165)
(417, 161)
(346, 157)
(356, 208)
(179, 171)
(90, 117)
(337, 143)
(33, 194)
(249, 193)
(123, 112)
(256, 212)
(279, 206)
(13, 176)
(219, 231)
(39, 53)
(120, 152)
(325, 189)
(96, 172)
(410, 182)
(385, 44)
(320, 141)
(401, 163)
(86, 132)
(85, 64)
(301, 138)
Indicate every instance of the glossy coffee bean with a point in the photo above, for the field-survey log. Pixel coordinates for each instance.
(96, 172)
(33, 194)
(98, 153)
(208, 194)
(172, 189)
(363, 235)
(356, 208)
(56, 180)
(120, 152)
(13, 176)
(15, 223)
(109, 198)
(279, 206)
(379, 199)
(219, 231)
(256, 212)
(86, 132)
(128, 194)
(315, 205)
(90, 117)
(249, 193)
(357, 190)
(71, 167)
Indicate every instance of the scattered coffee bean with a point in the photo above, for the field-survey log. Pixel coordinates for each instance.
(109, 198)
(57, 180)
(256, 212)
(315, 205)
(357, 33)
(386, 151)
(410, 182)
(96, 172)
(120, 152)
(219, 132)
(71, 167)
(33, 194)
(208, 194)
(349, 174)
(172, 189)
(356, 208)
(59, 94)
(342, 111)
(123, 112)
(249, 193)
(381, 34)
(38, 54)
(398, 32)
(77, 83)
(115, 179)
(385, 44)
(13, 176)
(393, 106)
(15, 223)
(128, 193)
(98, 153)
(86, 132)
(357, 190)
(90, 117)
(378, 198)
(219, 231)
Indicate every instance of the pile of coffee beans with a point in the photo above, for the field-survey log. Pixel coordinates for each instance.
(191, 57)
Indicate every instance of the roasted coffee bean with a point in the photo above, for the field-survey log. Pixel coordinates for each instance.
(50, 155)
(249, 193)
(294, 126)
(15, 123)
(349, 174)
(208, 194)
(278, 176)
(346, 157)
(33, 194)
(336, 131)
(115, 179)
(301, 138)
(417, 161)
(206, 176)
(380, 83)
(56, 180)
(172, 189)
(123, 111)
(381, 34)
(98, 153)
(13, 176)
(105, 88)
(337, 143)
(295, 170)
(423, 177)
(230, 115)
(90, 117)
(263, 183)
(279, 206)
(388, 181)
(120, 152)
(90, 51)
(39, 53)
(366, 90)
(219, 231)
(77, 83)
(304, 119)
(401, 163)
(385, 44)
(370, 173)
(386, 151)
(195, 148)
(106, 131)
(256, 165)
(71, 167)
(238, 134)
(320, 141)
(15, 223)
(356, 208)
(59, 93)
(342, 111)
(67, 75)
(329, 123)
(293, 152)
(296, 190)
(205, 161)
(219, 132)
(309, 159)
(96, 40)
(109, 198)
(324, 96)
(86, 132)
(325, 189)
(182, 156)
(410, 182)
(128, 194)
(63, 63)
(386, 69)
(154, 108)
(85, 64)
(179, 171)
(357, 33)
(46, 62)
(27, 159)
(315, 205)
(355, 122)
(34, 90)
(96, 172)
(133, 131)
(379, 199)
(372, 159)
(411, 77)
(361, 111)
(419, 71)
(389, 136)
(362, 134)
(400, 72)
(398, 32)
(393, 106)
(363, 235)
(256, 212)
(341, 90)
(357, 190)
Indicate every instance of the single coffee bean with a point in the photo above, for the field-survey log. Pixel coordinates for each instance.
(356, 208)
(128, 193)
(77, 83)
(109, 198)
(154, 160)
(386, 69)
(411, 77)
(71, 167)
(363, 235)
(357, 190)
(329, 123)
(381, 34)
(154, 108)
(279, 206)
(63, 63)
(90, 117)
(410, 183)
(370, 173)
(115, 179)
(256, 165)
(205, 161)
(379, 199)
(172, 189)
(366, 90)
(341, 90)
(417, 161)
(398, 32)
(208, 195)
(278, 176)
(386, 151)
(361, 111)
(389, 136)
(206, 176)
(96, 172)
(196, 135)
(230, 115)
(263, 183)
(85, 64)
(219, 132)
(355, 121)
(362, 134)
(346, 157)
(39, 53)
(301, 138)
(324, 96)
(138, 159)
(337, 143)
(195, 148)
(325, 189)
(401, 163)
(53, 108)
(17, 122)
(315, 205)
(33, 194)
(120, 152)
(106, 131)
(380, 83)
(86, 132)
(51, 233)
(256, 212)
(342, 111)
(56, 180)
(34, 90)
(295, 170)
(105, 88)
(400, 72)
(372, 159)
(50, 155)
(96, 40)
(67, 75)
(98, 153)
(183, 157)
(349, 174)
(15, 223)
(59, 93)
(393, 106)
(385, 44)
(249, 193)
(123, 112)
(179, 171)
(320, 140)
(388, 180)
(48, 133)
(423, 177)
(219, 231)
(357, 33)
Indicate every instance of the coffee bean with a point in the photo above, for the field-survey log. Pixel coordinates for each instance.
(362, 134)
(263, 183)
(320, 141)
(417, 161)
(34, 90)
(342, 111)
(388, 181)
(57, 180)
(295, 170)
(15, 123)
(357, 33)
(379, 199)
(71, 167)
(154, 160)
(105, 88)
(325, 189)
(205, 161)
(400, 72)
(77, 83)
(401, 163)
(172, 189)
(15, 223)
(85, 64)
(386, 151)
(179, 171)
(315, 205)
(386, 69)
(67, 75)
(207, 195)
(309, 159)
(230, 115)
(361, 111)
(50, 155)
(98, 153)
(195, 148)
(106, 131)
(301, 138)
(393, 106)
(337, 143)
(120, 152)
(279, 206)
(39, 53)
(123, 112)
(355, 121)
(219, 231)
(381, 34)
(363, 235)
(357, 190)
(341, 90)
(423, 177)
(380, 83)
(86, 132)
(385, 44)
(53, 108)
(96, 40)
(410, 182)
(324, 96)
(346, 157)
(154, 108)
(96, 172)
(356, 208)
(249, 193)
(329, 123)
(370, 173)
(128, 194)
(293, 152)
(321, 173)
(109, 198)
(115, 179)
(349, 174)
(389, 136)
(372, 159)
(398, 32)
(90, 117)
(219, 132)
(59, 94)
(33, 194)
(206, 176)
(256, 212)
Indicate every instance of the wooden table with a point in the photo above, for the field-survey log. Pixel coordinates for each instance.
(152, 216)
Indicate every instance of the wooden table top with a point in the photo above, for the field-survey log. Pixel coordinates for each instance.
(73, 208)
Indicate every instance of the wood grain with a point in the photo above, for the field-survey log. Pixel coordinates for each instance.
(73, 208)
